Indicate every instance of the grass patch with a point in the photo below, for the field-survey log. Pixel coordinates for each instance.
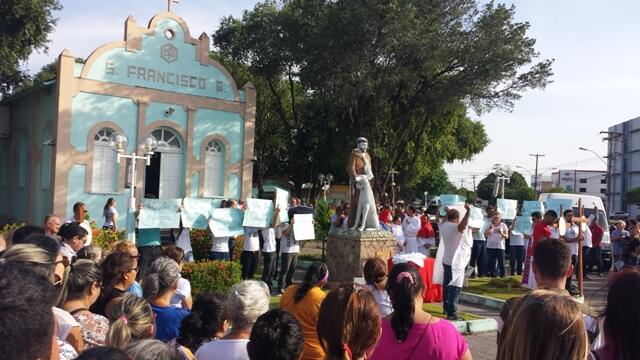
(436, 310)
(497, 288)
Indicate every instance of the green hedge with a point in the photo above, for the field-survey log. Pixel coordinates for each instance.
(211, 276)
(201, 241)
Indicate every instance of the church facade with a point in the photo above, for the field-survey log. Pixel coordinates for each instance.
(159, 81)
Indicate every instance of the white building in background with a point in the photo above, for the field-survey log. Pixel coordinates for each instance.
(624, 163)
(588, 182)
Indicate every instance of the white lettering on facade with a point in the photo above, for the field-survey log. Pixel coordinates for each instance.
(162, 77)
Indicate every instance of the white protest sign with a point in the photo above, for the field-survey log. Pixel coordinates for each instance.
(159, 214)
(303, 227)
(226, 222)
(449, 200)
(282, 201)
(507, 208)
(196, 212)
(476, 218)
(528, 207)
(259, 213)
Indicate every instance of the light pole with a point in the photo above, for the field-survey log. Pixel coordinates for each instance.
(325, 183)
(426, 203)
(393, 173)
(503, 174)
(119, 142)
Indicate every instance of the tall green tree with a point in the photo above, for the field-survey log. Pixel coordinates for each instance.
(403, 73)
(25, 26)
(633, 196)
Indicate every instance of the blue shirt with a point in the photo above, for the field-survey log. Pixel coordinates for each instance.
(135, 289)
(168, 321)
(148, 237)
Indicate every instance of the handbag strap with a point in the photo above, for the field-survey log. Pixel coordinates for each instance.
(424, 331)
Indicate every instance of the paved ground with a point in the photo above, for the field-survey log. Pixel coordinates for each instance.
(483, 346)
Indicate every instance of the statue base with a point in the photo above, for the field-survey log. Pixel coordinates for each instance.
(348, 250)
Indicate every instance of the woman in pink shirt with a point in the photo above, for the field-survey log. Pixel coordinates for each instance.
(410, 332)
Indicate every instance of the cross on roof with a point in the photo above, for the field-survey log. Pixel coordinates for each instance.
(169, 2)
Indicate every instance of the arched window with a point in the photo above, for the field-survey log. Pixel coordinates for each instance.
(104, 178)
(167, 140)
(214, 169)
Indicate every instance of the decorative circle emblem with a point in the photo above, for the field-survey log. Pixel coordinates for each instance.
(169, 53)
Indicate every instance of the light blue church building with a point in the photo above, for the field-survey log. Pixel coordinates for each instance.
(159, 81)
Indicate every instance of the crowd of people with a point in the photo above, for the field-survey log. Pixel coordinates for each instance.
(63, 298)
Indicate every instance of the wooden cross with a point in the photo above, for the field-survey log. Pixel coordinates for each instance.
(169, 2)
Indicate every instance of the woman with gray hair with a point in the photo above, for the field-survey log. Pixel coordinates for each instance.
(246, 302)
(159, 286)
(149, 349)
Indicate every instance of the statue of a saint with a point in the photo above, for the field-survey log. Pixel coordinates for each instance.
(363, 214)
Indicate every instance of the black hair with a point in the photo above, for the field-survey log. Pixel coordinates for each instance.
(77, 206)
(23, 231)
(412, 208)
(206, 318)
(315, 273)
(536, 214)
(402, 292)
(26, 325)
(276, 335)
(103, 353)
(552, 258)
(82, 274)
(552, 213)
(114, 266)
(564, 213)
(70, 230)
(396, 217)
(44, 242)
(109, 203)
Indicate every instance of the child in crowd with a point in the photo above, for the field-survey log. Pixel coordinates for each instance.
(375, 275)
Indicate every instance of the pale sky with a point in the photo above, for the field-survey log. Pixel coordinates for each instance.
(596, 72)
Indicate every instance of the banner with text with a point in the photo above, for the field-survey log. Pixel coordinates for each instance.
(559, 205)
(196, 212)
(259, 213)
(476, 218)
(523, 225)
(226, 222)
(282, 201)
(303, 227)
(528, 207)
(159, 214)
(449, 200)
(507, 208)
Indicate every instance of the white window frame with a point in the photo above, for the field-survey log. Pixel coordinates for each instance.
(104, 164)
(214, 152)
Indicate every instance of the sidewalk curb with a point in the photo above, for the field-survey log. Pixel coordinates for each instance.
(481, 300)
(476, 326)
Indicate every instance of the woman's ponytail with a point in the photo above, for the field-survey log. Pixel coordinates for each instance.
(403, 286)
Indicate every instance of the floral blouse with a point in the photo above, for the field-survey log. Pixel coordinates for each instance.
(94, 328)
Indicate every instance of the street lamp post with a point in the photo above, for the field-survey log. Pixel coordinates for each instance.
(503, 175)
(119, 143)
(325, 183)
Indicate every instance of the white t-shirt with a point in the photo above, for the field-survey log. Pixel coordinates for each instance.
(517, 239)
(572, 233)
(269, 237)
(451, 238)
(220, 244)
(383, 300)
(397, 232)
(67, 251)
(183, 292)
(287, 244)
(232, 349)
(85, 225)
(108, 219)
(495, 240)
(251, 239)
(64, 322)
(410, 226)
(587, 238)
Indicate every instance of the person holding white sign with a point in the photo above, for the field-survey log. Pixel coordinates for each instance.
(410, 227)
(516, 250)
(250, 255)
(571, 238)
(496, 234)
(269, 250)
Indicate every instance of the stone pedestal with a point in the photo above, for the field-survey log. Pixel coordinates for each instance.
(347, 251)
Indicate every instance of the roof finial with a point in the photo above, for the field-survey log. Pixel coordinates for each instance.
(169, 2)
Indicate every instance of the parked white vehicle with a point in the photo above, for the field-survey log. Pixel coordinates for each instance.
(588, 201)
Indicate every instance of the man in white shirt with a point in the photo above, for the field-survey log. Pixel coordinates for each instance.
(496, 234)
(410, 227)
(570, 237)
(457, 241)
(79, 211)
(73, 239)
(250, 252)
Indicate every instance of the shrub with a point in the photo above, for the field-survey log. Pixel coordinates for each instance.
(200, 243)
(8, 229)
(211, 276)
(106, 238)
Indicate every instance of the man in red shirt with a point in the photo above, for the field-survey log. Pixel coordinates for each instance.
(540, 232)
(597, 232)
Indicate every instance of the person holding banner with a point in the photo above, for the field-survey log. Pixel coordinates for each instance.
(516, 250)
(571, 239)
(496, 234)
(149, 247)
(289, 251)
(541, 230)
(269, 250)
(250, 255)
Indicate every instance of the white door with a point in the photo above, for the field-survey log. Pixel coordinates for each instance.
(170, 175)
(104, 175)
(213, 173)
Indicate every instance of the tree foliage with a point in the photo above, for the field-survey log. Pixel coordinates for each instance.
(24, 27)
(517, 188)
(633, 196)
(404, 74)
(557, 189)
